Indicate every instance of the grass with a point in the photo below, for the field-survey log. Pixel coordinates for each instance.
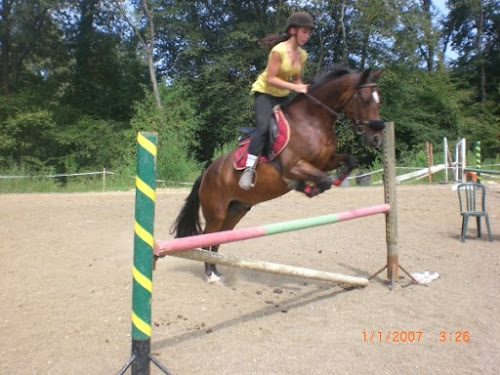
(69, 184)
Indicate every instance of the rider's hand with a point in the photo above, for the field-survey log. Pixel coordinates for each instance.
(301, 88)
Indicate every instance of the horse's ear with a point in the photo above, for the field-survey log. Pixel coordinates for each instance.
(364, 76)
(376, 75)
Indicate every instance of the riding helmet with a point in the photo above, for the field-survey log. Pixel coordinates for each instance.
(299, 19)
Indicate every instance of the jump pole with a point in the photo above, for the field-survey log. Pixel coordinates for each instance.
(211, 239)
(186, 247)
(268, 267)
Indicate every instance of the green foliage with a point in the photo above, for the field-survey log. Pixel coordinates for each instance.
(424, 106)
(226, 147)
(214, 48)
(24, 138)
(350, 142)
(75, 84)
(176, 124)
(90, 142)
(178, 114)
(478, 123)
(173, 165)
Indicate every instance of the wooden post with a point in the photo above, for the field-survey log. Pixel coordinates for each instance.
(391, 217)
(429, 159)
(445, 158)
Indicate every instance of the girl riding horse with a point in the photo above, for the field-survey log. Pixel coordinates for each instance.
(282, 75)
(303, 164)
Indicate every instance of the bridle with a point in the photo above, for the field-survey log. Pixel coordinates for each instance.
(358, 124)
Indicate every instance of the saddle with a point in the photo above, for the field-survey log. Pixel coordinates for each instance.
(279, 135)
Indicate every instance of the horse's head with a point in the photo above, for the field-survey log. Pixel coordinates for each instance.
(354, 93)
(362, 108)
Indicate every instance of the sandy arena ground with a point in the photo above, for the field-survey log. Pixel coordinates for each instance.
(66, 272)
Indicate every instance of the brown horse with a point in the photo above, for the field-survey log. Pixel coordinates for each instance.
(310, 153)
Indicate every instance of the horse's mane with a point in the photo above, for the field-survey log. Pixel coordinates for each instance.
(329, 75)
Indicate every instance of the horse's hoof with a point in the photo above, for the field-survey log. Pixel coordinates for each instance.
(214, 279)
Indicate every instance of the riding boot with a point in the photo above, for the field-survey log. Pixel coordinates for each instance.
(247, 177)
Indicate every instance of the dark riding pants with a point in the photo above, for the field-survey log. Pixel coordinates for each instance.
(263, 107)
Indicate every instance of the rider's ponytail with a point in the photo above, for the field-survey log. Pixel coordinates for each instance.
(269, 41)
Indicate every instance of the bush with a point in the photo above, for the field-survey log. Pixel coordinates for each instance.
(175, 123)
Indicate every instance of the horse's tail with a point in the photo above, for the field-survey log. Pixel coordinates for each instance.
(187, 222)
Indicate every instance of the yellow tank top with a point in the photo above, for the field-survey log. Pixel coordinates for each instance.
(286, 72)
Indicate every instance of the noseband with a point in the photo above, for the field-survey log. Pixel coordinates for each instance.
(358, 124)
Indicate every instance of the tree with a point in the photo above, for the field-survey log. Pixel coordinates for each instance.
(25, 30)
(473, 28)
(106, 74)
(147, 40)
(75, 72)
(214, 47)
(71, 80)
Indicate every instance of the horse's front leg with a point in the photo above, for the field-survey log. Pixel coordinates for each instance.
(303, 172)
(348, 163)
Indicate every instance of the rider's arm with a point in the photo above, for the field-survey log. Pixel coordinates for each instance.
(297, 79)
(273, 67)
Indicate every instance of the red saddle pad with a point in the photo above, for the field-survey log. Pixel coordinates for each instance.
(280, 142)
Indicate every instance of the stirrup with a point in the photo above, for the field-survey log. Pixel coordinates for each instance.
(246, 181)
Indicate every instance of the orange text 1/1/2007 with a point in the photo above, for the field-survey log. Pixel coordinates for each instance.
(392, 336)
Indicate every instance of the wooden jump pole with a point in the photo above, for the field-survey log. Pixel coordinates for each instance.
(276, 268)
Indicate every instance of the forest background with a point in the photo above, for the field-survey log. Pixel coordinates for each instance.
(80, 78)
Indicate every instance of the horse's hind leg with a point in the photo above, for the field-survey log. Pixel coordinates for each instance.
(214, 218)
(235, 212)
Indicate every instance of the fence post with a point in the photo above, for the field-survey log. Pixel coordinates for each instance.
(445, 158)
(430, 160)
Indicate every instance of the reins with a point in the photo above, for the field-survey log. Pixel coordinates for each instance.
(337, 114)
(319, 102)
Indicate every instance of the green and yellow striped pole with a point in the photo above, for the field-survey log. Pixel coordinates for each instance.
(477, 152)
(145, 199)
(142, 283)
